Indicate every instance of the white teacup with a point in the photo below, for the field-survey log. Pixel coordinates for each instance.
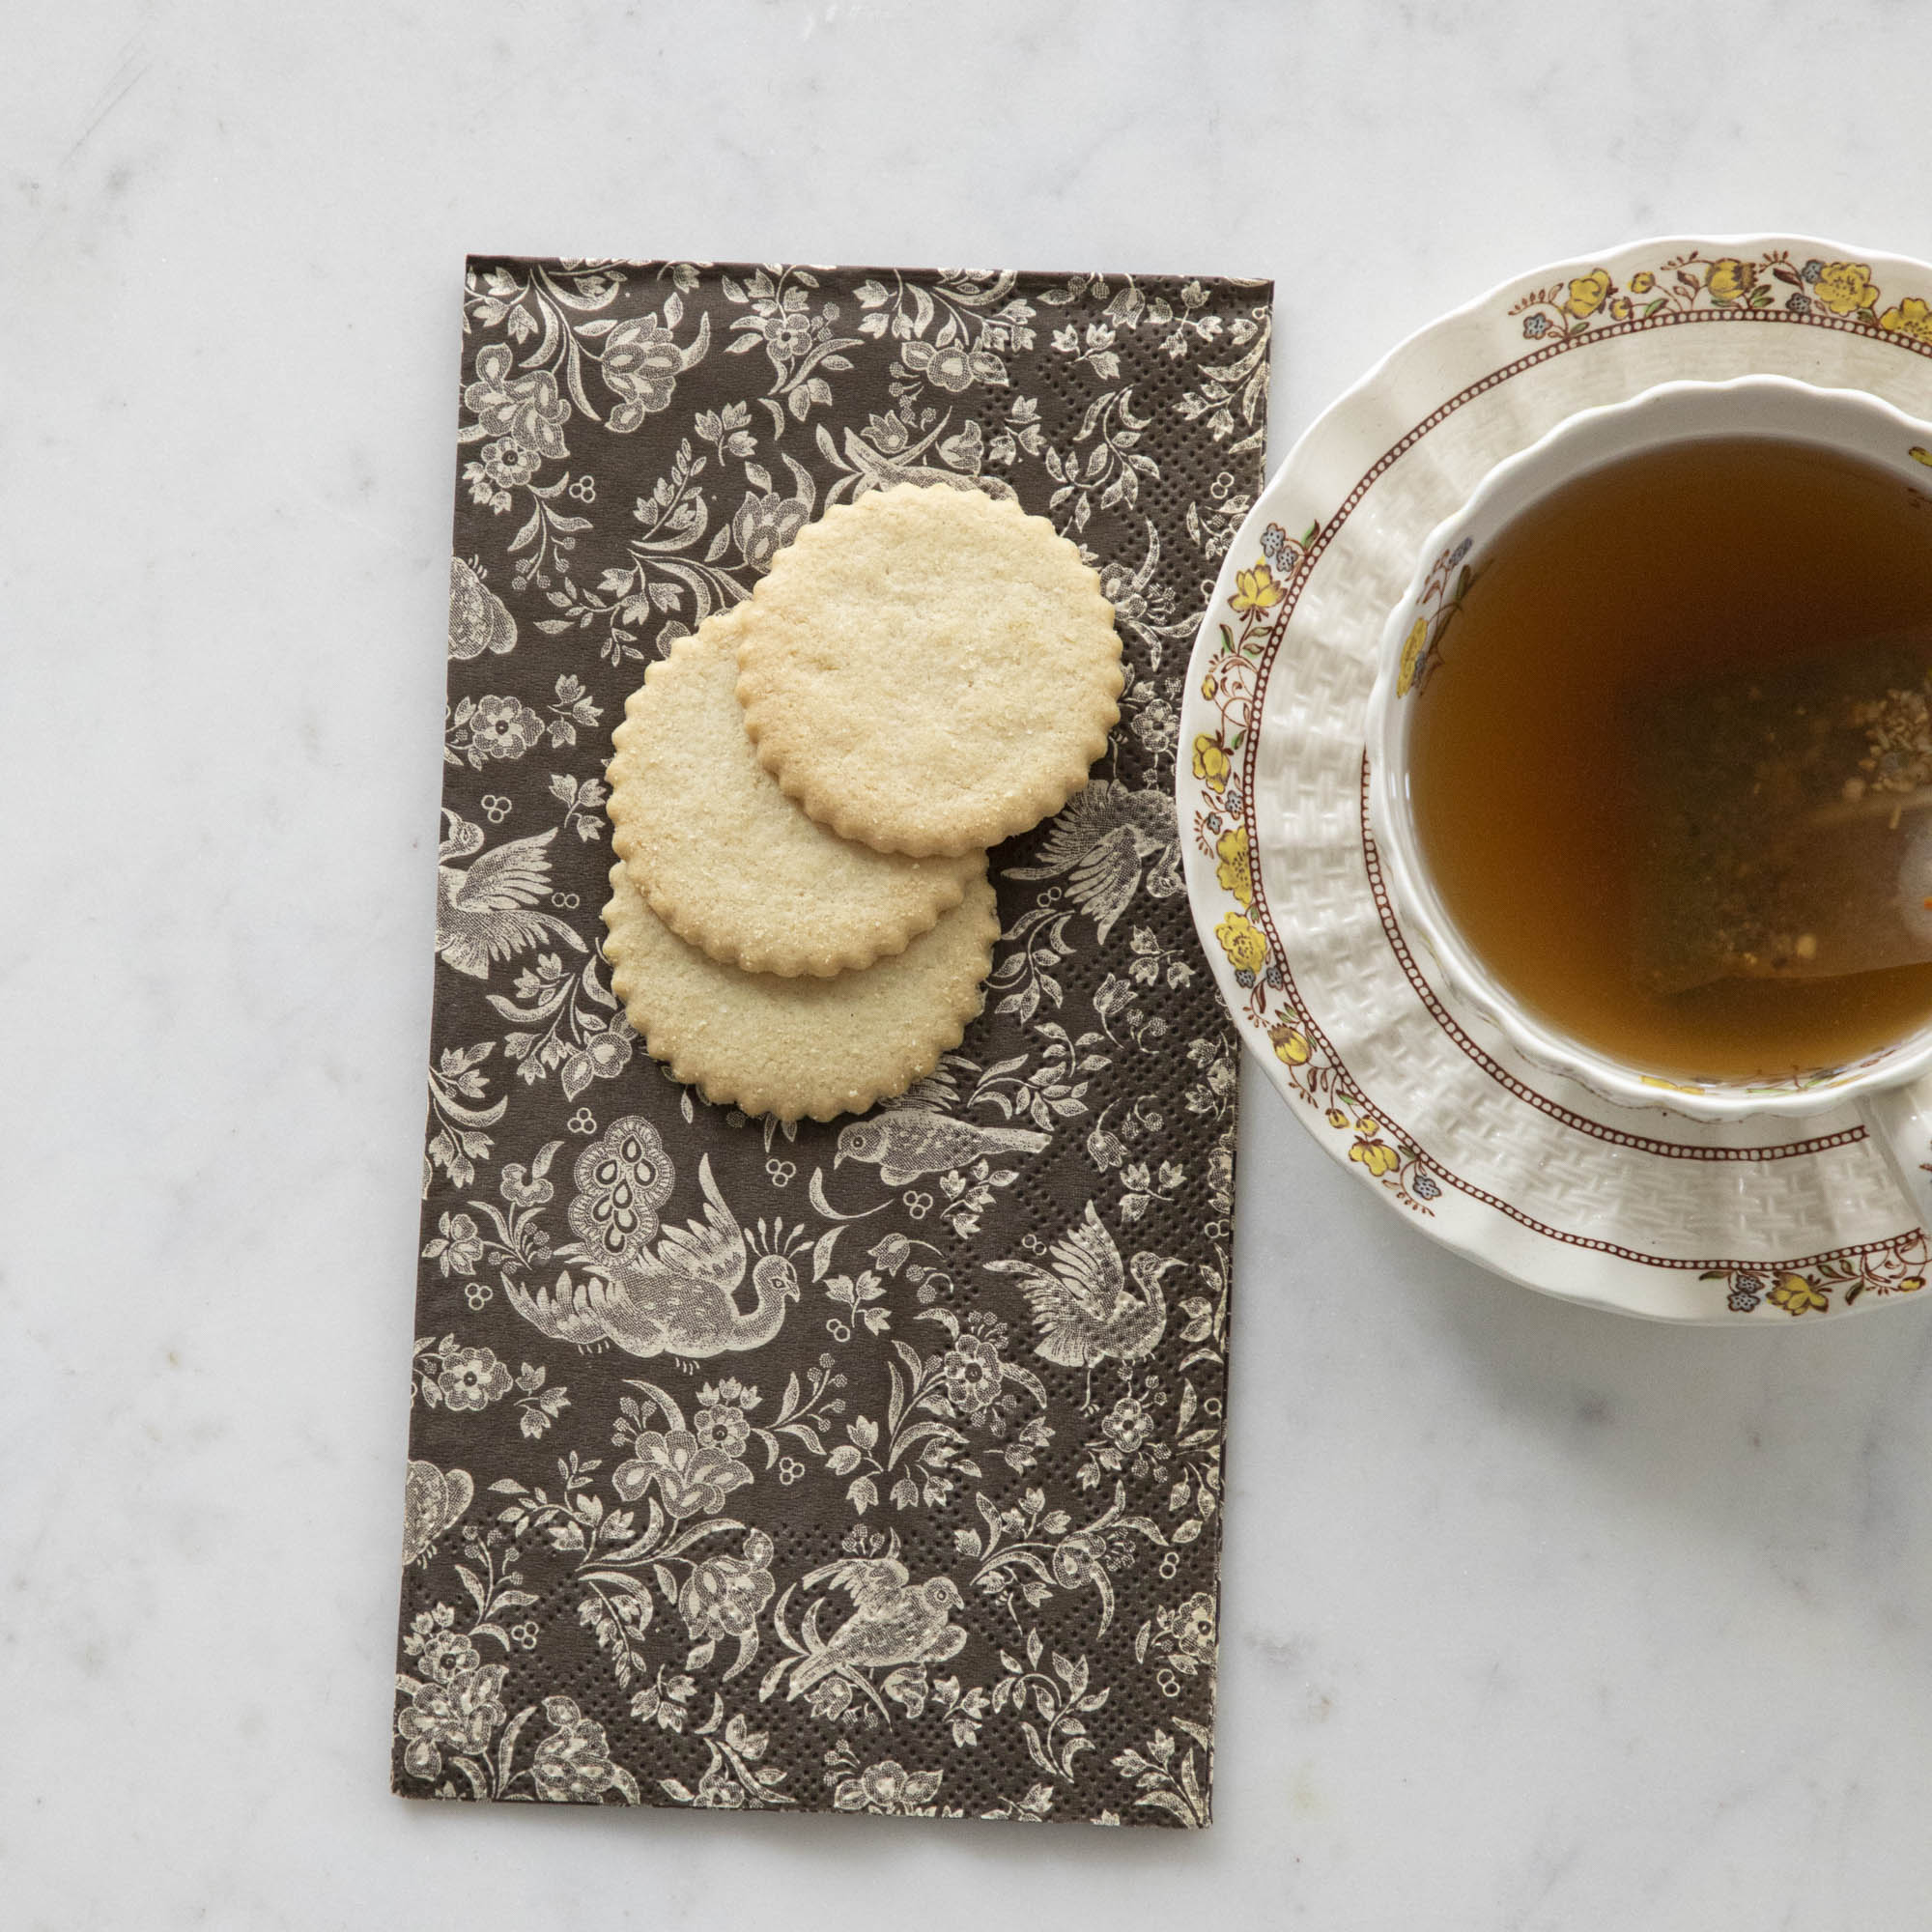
(1891, 1087)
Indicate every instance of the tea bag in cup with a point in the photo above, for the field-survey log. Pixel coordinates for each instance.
(1783, 819)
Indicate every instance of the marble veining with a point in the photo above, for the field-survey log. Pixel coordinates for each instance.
(1534, 1618)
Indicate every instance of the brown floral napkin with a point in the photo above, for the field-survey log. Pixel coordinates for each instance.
(939, 1532)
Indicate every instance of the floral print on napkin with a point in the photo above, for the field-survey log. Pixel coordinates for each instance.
(872, 1466)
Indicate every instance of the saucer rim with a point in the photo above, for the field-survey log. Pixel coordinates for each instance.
(1508, 1242)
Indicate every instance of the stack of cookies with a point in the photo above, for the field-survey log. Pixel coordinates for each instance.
(804, 791)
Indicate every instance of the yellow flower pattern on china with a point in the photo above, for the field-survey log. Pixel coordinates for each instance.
(1912, 317)
(1242, 942)
(1412, 647)
(1255, 589)
(1291, 1045)
(1588, 293)
(1211, 763)
(1377, 1156)
(1846, 287)
(1798, 1296)
(1730, 279)
(1815, 289)
(1231, 851)
(1440, 599)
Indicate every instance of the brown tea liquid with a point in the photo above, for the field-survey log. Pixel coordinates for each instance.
(1701, 560)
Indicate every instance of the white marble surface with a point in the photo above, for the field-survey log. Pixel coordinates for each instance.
(1534, 1618)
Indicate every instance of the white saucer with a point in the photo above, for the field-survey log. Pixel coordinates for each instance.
(1637, 1210)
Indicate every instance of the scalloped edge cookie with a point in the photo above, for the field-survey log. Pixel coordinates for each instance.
(725, 859)
(929, 670)
(797, 1046)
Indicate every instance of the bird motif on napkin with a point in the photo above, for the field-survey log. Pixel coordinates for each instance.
(893, 1620)
(1100, 844)
(484, 913)
(677, 1295)
(907, 1142)
(1081, 1306)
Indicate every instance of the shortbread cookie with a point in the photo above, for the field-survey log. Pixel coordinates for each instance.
(929, 670)
(793, 1046)
(725, 859)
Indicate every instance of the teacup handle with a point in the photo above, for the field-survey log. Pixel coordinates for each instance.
(1899, 1119)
